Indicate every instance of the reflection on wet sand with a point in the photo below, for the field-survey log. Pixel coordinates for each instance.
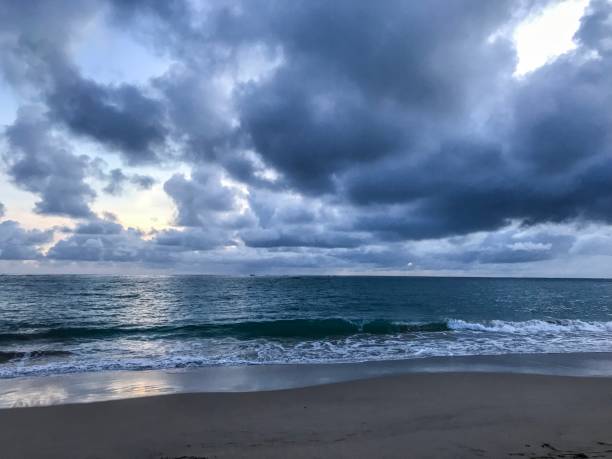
(113, 385)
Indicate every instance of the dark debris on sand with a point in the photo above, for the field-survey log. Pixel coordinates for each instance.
(548, 451)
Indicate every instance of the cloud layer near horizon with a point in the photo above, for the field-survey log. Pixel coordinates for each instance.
(320, 137)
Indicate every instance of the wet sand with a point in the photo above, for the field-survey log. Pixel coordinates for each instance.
(59, 389)
(414, 415)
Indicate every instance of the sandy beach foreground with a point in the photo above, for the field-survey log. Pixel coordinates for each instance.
(414, 415)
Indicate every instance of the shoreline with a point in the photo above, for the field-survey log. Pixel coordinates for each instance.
(437, 415)
(118, 385)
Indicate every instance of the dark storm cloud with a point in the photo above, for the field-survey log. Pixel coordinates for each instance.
(368, 83)
(541, 154)
(353, 129)
(370, 80)
(387, 116)
(17, 243)
(202, 119)
(41, 163)
(2, 210)
(543, 157)
(457, 189)
(121, 117)
(36, 38)
(310, 137)
(37, 33)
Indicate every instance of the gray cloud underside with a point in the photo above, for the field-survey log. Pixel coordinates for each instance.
(383, 125)
(104, 241)
(39, 162)
(17, 243)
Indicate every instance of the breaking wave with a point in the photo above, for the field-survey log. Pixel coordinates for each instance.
(306, 329)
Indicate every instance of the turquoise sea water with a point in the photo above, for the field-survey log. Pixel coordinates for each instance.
(64, 324)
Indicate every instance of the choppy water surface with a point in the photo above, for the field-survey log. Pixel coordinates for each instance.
(61, 324)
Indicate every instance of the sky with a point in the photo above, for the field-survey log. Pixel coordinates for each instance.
(466, 138)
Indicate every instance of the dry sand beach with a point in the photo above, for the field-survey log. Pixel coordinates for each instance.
(416, 415)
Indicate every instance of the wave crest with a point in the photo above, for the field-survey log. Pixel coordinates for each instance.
(531, 326)
(306, 329)
(284, 328)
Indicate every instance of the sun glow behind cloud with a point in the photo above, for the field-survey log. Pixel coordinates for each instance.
(547, 35)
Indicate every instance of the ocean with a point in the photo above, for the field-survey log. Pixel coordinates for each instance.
(53, 325)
